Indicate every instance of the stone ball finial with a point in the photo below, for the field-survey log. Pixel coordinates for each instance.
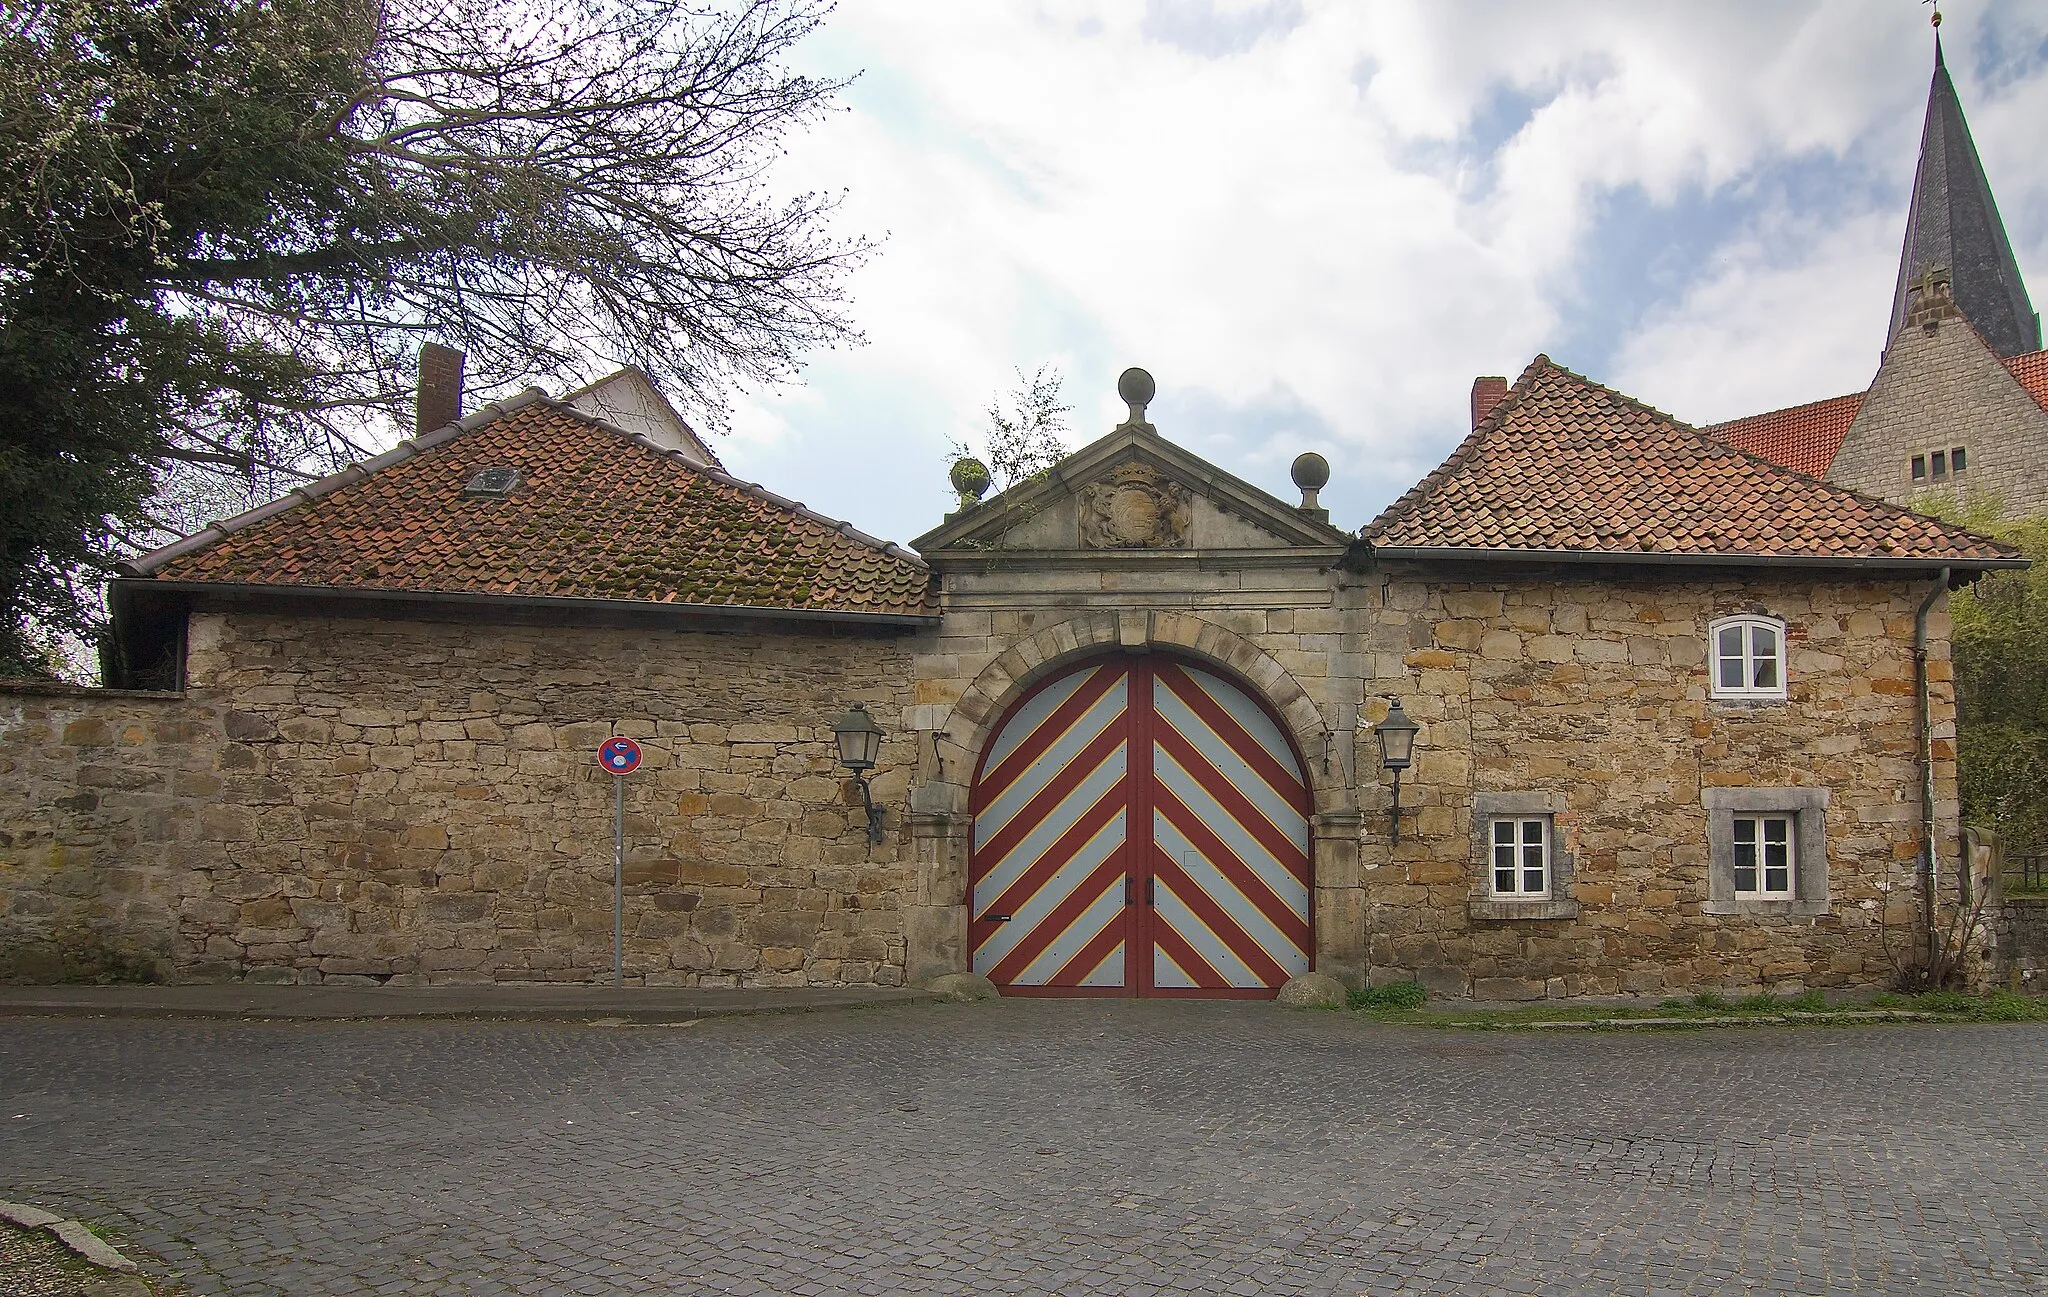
(1311, 472)
(969, 478)
(1137, 389)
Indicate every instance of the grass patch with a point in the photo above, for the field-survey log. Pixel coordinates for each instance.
(1395, 1004)
(1400, 997)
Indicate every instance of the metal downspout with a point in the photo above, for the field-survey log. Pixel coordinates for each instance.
(1929, 875)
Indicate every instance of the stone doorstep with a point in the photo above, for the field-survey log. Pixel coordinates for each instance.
(82, 1241)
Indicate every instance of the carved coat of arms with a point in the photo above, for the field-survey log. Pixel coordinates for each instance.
(1134, 508)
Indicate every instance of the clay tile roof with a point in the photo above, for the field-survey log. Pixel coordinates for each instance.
(598, 513)
(1565, 466)
(1807, 437)
(2032, 371)
(1804, 437)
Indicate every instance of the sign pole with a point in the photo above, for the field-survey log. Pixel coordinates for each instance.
(619, 756)
(618, 880)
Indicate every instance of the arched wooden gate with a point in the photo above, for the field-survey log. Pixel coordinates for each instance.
(1140, 828)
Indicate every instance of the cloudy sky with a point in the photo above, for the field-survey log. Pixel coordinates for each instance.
(1315, 223)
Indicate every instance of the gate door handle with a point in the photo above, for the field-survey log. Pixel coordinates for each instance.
(995, 918)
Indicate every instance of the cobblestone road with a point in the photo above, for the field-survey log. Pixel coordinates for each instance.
(1039, 1147)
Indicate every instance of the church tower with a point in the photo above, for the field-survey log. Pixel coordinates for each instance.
(1953, 227)
(1959, 407)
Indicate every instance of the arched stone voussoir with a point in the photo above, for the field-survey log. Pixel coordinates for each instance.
(1054, 648)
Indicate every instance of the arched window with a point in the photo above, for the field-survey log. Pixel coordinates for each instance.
(1746, 656)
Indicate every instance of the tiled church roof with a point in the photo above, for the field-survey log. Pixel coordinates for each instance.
(598, 513)
(1806, 437)
(1566, 467)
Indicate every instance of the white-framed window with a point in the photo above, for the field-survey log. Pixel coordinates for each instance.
(1767, 850)
(1521, 867)
(1766, 860)
(1521, 858)
(1747, 657)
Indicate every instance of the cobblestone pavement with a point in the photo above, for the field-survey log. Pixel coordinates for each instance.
(1039, 1147)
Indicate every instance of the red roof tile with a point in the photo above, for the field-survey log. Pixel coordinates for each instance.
(1804, 437)
(1807, 437)
(598, 514)
(2032, 371)
(1564, 465)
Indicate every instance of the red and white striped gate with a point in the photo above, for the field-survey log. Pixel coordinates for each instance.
(1140, 828)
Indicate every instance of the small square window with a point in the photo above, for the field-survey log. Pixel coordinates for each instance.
(1521, 858)
(1940, 463)
(494, 483)
(1521, 868)
(1919, 467)
(1958, 459)
(1748, 658)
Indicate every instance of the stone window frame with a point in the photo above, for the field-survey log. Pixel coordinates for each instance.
(1917, 468)
(1808, 809)
(1716, 691)
(1488, 807)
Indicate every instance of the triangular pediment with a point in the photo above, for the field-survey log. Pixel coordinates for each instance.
(1128, 494)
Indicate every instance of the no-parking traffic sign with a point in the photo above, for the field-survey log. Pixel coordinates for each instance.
(619, 756)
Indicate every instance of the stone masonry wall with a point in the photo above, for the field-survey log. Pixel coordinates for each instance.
(1937, 391)
(1596, 689)
(419, 800)
(101, 796)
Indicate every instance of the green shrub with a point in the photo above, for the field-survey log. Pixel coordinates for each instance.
(1673, 1002)
(1765, 1003)
(1809, 1002)
(1394, 995)
(1710, 1000)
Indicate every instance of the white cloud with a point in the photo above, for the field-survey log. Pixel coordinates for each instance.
(1796, 311)
(1288, 213)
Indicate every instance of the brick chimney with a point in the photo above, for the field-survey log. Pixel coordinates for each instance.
(1487, 392)
(440, 395)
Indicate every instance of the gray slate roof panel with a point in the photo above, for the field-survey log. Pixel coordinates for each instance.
(1954, 223)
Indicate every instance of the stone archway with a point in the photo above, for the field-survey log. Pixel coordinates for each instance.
(936, 924)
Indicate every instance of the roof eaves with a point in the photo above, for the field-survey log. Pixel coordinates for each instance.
(236, 591)
(214, 532)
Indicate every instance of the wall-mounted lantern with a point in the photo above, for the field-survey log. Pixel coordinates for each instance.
(1397, 752)
(860, 743)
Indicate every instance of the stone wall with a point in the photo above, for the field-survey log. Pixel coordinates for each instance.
(419, 800)
(2020, 931)
(1938, 390)
(1594, 689)
(102, 795)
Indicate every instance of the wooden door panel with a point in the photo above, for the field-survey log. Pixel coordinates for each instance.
(1140, 804)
